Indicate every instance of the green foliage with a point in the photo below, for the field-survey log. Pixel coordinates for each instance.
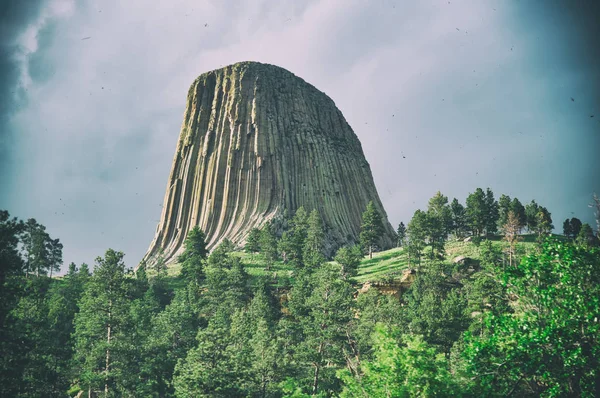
(477, 212)
(268, 244)
(401, 234)
(585, 238)
(102, 341)
(551, 346)
(438, 223)
(193, 256)
(459, 218)
(314, 244)
(403, 366)
(253, 241)
(371, 228)
(417, 234)
(349, 260)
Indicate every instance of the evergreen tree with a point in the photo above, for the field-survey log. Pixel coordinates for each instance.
(417, 234)
(371, 228)
(349, 259)
(439, 223)
(102, 327)
(543, 223)
(324, 331)
(519, 210)
(410, 369)
(459, 218)
(194, 255)
(491, 206)
(253, 241)
(477, 212)
(575, 227)
(315, 241)
(504, 206)
(268, 244)
(531, 212)
(567, 228)
(585, 237)
(401, 233)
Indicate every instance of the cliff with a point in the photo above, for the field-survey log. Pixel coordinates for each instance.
(257, 142)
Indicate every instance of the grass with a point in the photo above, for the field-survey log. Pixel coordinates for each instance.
(384, 265)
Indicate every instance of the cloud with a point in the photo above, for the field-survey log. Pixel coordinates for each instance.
(437, 93)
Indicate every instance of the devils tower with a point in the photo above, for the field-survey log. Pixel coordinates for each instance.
(258, 142)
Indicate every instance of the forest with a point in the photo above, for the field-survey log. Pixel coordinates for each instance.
(499, 306)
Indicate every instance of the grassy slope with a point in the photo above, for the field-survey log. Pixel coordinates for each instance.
(384, 265)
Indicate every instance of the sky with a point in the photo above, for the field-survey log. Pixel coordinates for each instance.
(444, 95)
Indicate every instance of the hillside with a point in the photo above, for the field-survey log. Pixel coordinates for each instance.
(384, 266)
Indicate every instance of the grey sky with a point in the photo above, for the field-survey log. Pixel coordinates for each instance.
(446, 96)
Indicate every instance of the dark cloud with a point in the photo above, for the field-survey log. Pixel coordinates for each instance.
(103, 116)
(15, 17)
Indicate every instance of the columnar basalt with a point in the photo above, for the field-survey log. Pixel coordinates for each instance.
(258, 142)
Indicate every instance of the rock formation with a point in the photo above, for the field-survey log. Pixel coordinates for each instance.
(257, 142)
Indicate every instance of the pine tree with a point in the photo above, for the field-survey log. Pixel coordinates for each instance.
(194, 255)
(504, 206)
(439, 223)
(417, 234)
(349, 259)
(268, 244)
(312, 252)
(531, 211)
(477, 212)
(102, 326)
(401, 233)
(371, 228)
(459, 218)
(491, 206)
(519, 210)
(575, 225)
(253, 241)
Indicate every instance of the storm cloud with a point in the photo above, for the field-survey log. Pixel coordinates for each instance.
(444, 95)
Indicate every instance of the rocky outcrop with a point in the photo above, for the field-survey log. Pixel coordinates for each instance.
(257, 142)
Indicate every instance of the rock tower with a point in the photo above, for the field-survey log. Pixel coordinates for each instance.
(256, 143)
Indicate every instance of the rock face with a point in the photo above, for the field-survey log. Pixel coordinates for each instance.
(257, 142)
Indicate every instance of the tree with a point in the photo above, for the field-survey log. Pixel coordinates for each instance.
(315, 241)
(401, 232)
(511, 234)
(575, 224)
(324, 329)
(531, 211)
(543, 223)
(406, 369)
(585, 237)
(477, 212)
(268, 244)
(439, 223)
(519, 210)
(504, 206)
(194, 255)
(491, 207)
(371, 228)
(596, 207)
(459, 218)
(557, 294)
(417, 233)
(102, 326)
(253, 241)
(41, 252)
(349, 259)
(567, 228)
